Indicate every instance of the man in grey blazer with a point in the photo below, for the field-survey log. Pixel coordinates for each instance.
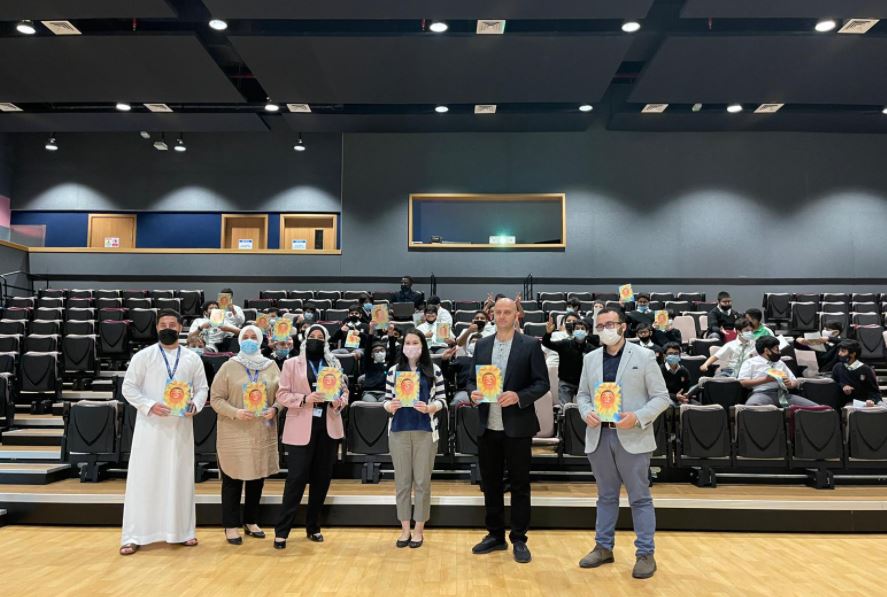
(620, 452)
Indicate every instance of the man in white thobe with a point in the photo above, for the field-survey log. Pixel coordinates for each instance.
(159, 502)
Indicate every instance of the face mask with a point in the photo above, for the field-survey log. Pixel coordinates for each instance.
(571, 310)
(672, 359)
(379, 357)
(644, 339)
(748, 336)
(249, 347)
(412, 352)
(404, 287)
(309, 316)
(480, 323)
(197, 349)
(368, 307)
(643, 308)
(829, 333)
(774, 357)
(843, 359)
(610, 337)
(726, 309)
(569, 327)
(580, 335)
(281, 353)
(314, 348)
(354, 318)
(168, 336)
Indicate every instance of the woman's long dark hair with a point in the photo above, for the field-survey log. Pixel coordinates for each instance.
(425, 365)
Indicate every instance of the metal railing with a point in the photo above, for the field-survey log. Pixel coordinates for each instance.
(5, 285)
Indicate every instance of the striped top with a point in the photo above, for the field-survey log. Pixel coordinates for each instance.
(409, 419)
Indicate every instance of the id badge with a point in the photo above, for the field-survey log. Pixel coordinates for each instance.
(318, 412)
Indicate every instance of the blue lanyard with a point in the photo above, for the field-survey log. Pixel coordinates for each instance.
(315, 370)
(171, 372)
(250, 376)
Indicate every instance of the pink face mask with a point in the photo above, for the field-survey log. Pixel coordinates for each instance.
(412, 352)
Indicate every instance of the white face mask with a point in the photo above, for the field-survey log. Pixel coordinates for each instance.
(610, 337)
(829, 333)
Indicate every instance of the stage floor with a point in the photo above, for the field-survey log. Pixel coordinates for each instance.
(361, 561)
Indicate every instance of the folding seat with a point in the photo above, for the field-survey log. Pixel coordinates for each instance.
(759, 436)
(703, 346)
(9, 362)
(205, 432)
(344, 303)
(472, 306)
(22, 302)
(835, 297)
(78, 327)
(383, 296)
(127, 427)
(79, 303)
(586, 307)
(661, 296)
(250, 314)
(551, 296)
(693, 297)
(114, 338)
(693, 363)
(80, 353)
(7, 404)
(106, 294)
(675, 308)
(51, 293)
(582, 296)
(866, 437)
(192, 302)
(168, 303)
(48, 314)
(834, 307)
(133, 294)
(92, 436)
(803, 316)
(350, 366)
(865, 319)
(534, 317)
(212, 362)
(13, 327)
(616, 306)
(144, 325)
(138, 303)
(661, 430)
(815, 442)
(352, 295)
(703, 441)
(300, 294)
(704, 306)
(329, 295)
(51, 303)
(80, 293)
(368, 436)
(17, 314)
(842, 318)
(865, 307)
(463, 316)
(871, 340)
(686, 325)
(261, 304)
(725, 391)
(865, 297)
(536, 330)
(335, 314)
(459, 327)
(606, 296)
(319, 304)
(158, 294)
(115, 314)
(289, 304)
(10, 343)
(40, 343)
(777, 306)
(547, 434)
(443, 431)
(549, 306)
(108, 303)
(572, 430)
(80, 314)
(39, 373)
(807, 297)
(699, 318)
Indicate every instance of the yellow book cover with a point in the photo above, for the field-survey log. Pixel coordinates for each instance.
(608, 402)
(177, 397)
(329, 383)
(224, 300)
(283, 328)
(380, 316)
(352, 340)
(255, 398)
(489, 382)
(626, 294)
(406, 387)
(263, 322)
(442, 333)
(660, 320)
(216, 317)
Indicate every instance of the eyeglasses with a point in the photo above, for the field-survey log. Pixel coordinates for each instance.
(610, 325)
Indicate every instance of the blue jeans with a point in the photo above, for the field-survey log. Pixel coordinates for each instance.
(612, 467)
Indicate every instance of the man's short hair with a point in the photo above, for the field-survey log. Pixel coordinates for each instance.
(722, 295)
(227, 291)
(642, 295)
(431, 309)
(741, 323)
(766, 342)
(755, 313)
(208, 303)
(434, 300)
(672, 346)
(851, 346)
(643, 327)
(410, 278)
(170, 313)
(834, 325)
(620, 316)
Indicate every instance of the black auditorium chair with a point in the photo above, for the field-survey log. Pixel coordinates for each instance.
(79, 303)
(13, 327)
(368, 437)
(138, 303)
(51, 302)
(79, 293)
(46, 327)
(274, 295)
(302, 295)
(822, 390)
(92, 436)
(10, 343)
(52, 293)
(467, 432)
(192, 302)
(133, 294)
(7, 404)
(80, 356)
(40, 343)
(168, 303)
(17, 313)
(582, 296)
(79, 314)
(692, 297)
(330, 295)
(212, 362)
(143, 329)
(551, 296)
(40, 384)
(723, 391)
(205, 431)
(472, 306)
(161, 294)
(606, 296)
(78, 327)
(777, 306)
(871, 340)
(804, 316)
(108, 303)
(23, 302)
(106, 294)
(866, 433)
(114, 339)
(759, 437)
(702, 441)
(816, 447)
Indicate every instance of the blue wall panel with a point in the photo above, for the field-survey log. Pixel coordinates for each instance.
(166, 230)
(63, 229)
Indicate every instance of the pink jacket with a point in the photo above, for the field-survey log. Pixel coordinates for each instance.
(291, 393)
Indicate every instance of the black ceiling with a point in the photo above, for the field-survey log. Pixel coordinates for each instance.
(372, 65)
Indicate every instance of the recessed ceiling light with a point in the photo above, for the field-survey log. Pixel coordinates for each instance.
(884, 111)
(300, 146)
(298, 108)
(441, 109)
(631, 26)
(144, 134)
(123, 107)
(160, 144)
(26, 27)
(51, 145)
(586, 108)
(826, 25)
(180, 144)
(9, 107)
(485, 108)
(158, 107)
(654, 108)
(218, 24)
(271, 107)
(491, 27)
(734, 108)
(438, 26)
(768, 108)
(858, 26)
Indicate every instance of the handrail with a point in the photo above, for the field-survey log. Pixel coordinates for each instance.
(4, 283)
(433, 284)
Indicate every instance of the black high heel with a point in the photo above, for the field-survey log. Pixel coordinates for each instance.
(278, 544)
(256, 534)
(235, 541)
(316, 537)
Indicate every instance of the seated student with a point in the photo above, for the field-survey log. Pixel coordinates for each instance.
(574, 305)
(443, 315)
(206, 334)
(281, 350)
(429, 330)
(830, 339)
(479, 324)
(571, 352)
(375, 371)
(677, 377)
(764, 387)
(406, 294)
(195, 343)
(591, 316)
(460, 364)
(722, 319)
(732, 355)
(354, 321)
(644, 334)
(366, 303)
(641, 314)
(857, 380)
(308, 315)
(563, 332)
(234, 320)
(650, 338)
(756, 316)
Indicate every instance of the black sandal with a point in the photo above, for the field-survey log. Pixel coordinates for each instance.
(279, 543)
(256, 534)
(238, 540)
(316, 537)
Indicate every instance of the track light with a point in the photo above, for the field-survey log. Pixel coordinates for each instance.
(160, 144)
(631, 26)
(180, 144)
(271, 107)
(438, 26)
(734, 108)
(300, 146)
(26, 27)
(586, 108)
(218, 24)
(441, 109)
(123, 107)
(51, 144)
(144, 134)
(826, 25)
(884, 111)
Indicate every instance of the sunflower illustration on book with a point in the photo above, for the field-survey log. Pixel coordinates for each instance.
(329, 383)
(660, 320)
(489, 382)
(608, 402)
(216, 317)
(283, 328)
(177, 397)
(263, 322)
(255, 398)
(406, 387)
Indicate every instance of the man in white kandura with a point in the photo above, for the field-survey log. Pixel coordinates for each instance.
(159, 502)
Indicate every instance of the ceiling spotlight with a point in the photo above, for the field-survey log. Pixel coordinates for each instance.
(180, 144)
(631, 26)
(271, 107)
(123, 107)
(144, 134)
(218, 24)
(160, 144)
(300, 146)
(884, 111)
(438, 26)
(51, 145)
(696, 108)
(734, 108)
(826, 25)
(586, 108)
(26, 27)
(441, 109)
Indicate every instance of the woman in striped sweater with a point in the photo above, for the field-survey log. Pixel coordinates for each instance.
(413, 433)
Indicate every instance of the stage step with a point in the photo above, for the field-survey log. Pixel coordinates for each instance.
(33, 473)
(39, 421)
(30, 454)
(32, 437)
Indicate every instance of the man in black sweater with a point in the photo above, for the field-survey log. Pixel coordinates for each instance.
(406, 294)
(858, 381)
(570, 354)
(677, 377)
(722, 318)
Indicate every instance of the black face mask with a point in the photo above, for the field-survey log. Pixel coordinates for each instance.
(774, 357)
(480, 323)
(644, 338)
(404, 287)
(168, 336)
(354, 318)
(314, 348)
(568, 327)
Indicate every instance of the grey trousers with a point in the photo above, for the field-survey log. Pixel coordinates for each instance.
(772, 397)
(412, 453)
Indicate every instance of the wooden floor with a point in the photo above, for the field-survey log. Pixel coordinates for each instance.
(66, 561)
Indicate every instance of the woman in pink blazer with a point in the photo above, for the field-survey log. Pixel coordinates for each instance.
(311, 434)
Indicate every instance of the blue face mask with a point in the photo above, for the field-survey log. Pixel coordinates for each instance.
(673, 359)
(580, 335)
(280, 353)
(249, 347)
(197, 349)
(368, 307)
(643, 308)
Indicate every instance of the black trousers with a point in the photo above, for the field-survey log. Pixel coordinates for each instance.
(231, 490)
(496, 451)
(312, 464)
